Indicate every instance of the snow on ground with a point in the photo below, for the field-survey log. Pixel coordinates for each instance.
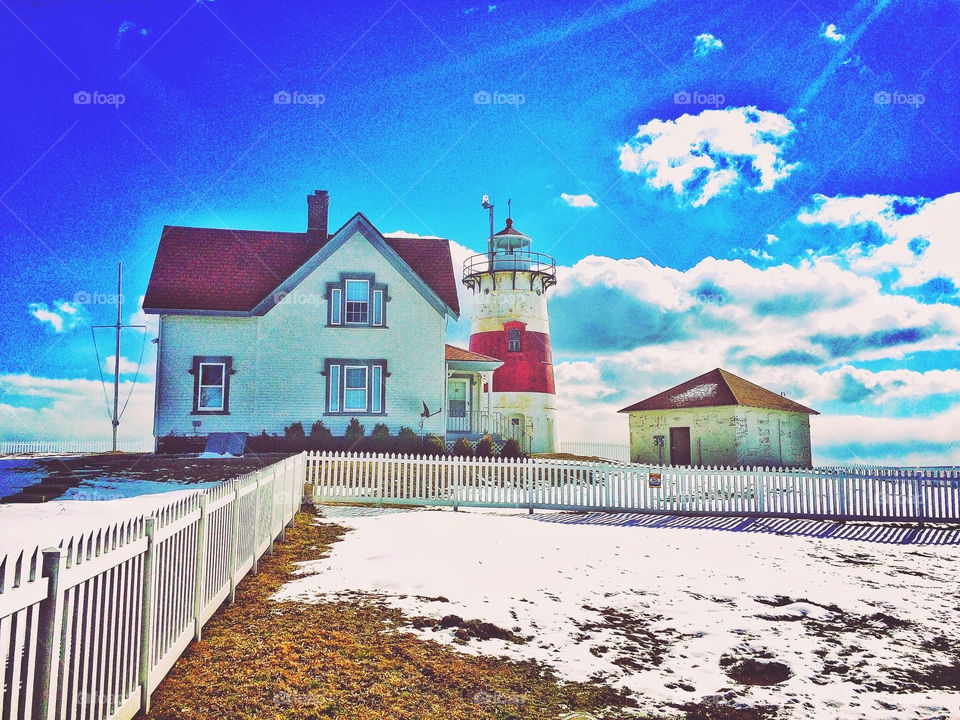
(45, 524)
(867, 629)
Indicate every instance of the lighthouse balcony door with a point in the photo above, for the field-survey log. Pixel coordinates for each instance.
(459, 405)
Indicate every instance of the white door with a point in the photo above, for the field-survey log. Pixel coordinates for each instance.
(458, 405)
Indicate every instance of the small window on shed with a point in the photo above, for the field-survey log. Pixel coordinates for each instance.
(513, 340)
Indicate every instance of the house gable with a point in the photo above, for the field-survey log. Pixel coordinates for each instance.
(357, 225)
(243, 273)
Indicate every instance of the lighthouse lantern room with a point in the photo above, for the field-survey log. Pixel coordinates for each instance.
(510, 322)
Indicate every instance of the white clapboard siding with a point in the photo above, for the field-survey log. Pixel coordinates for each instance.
(561, 484)
(69, 447)
(90, 627)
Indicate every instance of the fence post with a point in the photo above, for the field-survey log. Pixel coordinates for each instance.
(455, 467)
(147, 614)
(256, 526)
(921, 504)
(529, 483)
(199, 581)
(378, 458)
(234, 540)
(49, 638)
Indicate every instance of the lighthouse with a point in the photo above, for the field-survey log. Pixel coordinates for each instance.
(510, 322)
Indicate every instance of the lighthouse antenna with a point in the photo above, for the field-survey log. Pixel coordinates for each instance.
(487, 205)
(509, 214)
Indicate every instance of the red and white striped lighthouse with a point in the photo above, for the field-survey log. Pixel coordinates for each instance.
(510, 322)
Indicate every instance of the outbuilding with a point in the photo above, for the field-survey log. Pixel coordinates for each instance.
(720, 419)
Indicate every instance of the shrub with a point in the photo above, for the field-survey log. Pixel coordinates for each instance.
(408, 442)
(353, 438)
(321, 438)
(294, 435)
(433, 445)
(380, 440)
(462, 448)
(511, 449)
(485, 448)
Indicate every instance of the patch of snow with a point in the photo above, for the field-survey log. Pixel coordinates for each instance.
(655, 610)
(45, 524)
(698, 392)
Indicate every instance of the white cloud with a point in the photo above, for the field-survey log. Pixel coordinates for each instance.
(63, 316)
(405, 234)
(771, 239)
(703, 156)
(578, 201)
(917, 237)
(705, 44)
(830, 32)
(802, 330)
(38, 408)
(127, 366)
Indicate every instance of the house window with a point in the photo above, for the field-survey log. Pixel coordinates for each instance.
(357, 301)
(355, 387)
(211, 384)
(378, 307)
(336, 306)
(513, 340)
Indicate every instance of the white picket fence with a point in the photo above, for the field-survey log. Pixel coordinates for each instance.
(848, 494)
(619, 452)
(89, 628)
(68, 447)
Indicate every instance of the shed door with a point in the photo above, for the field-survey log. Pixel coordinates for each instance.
(680, 446)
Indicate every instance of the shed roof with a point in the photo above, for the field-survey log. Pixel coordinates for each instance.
(716, 388)
(456, 353)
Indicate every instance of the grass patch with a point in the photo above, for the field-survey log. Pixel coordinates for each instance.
(263, 659)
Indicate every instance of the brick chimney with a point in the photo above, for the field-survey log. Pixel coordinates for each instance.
(318, 205)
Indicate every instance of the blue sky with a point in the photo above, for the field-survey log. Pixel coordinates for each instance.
(766, 187)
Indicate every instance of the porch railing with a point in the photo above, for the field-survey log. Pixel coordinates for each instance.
(481, 422)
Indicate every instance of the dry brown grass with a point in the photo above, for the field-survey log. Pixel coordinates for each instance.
(263, 659)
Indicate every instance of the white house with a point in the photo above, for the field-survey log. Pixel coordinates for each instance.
(259, 330)
(720, 419)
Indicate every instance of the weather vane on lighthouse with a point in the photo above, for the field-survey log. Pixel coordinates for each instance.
(510, 322)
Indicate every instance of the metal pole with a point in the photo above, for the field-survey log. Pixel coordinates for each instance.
(116, 358)
(490, 241)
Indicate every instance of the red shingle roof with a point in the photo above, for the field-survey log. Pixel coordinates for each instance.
(715, 388)
(455, 353)
(235, 270)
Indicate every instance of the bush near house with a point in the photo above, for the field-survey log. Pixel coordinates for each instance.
(462, 448)
(294, 433)
(485, 448)
(321, 437)
(354, 437)
(408, 442)
(433, 445)
(380, 440)
(511, 449)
